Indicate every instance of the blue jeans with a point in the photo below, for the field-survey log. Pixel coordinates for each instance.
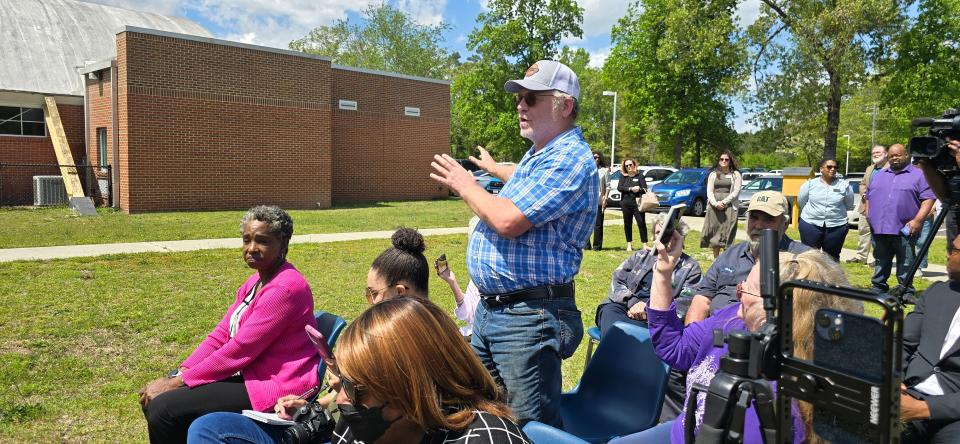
(522, 345)
(925, 232)
(887, 247)
(829, 239)
(232, 428)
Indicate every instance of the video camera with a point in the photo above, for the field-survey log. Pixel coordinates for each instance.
(851, 382)
(934, 145)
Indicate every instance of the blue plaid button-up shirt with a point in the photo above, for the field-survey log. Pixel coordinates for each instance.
(557, 189)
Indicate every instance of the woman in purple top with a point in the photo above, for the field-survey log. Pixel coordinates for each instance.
(691, 348)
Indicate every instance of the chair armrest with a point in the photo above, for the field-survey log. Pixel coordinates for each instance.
(541, 433)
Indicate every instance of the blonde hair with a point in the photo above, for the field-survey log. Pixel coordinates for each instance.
(409, 354)
(816, 266)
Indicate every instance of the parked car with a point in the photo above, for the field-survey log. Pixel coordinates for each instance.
(687, 186)
(488, 181)
(747, 176)
(766, 182)
(853, 216)
(483, 178)
(651, 174)
(494, 186)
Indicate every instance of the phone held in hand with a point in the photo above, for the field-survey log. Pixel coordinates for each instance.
(672, 220)
(905, 231)
(319, 342)
(441, 264)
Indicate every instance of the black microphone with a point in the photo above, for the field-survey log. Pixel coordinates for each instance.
(922, 121)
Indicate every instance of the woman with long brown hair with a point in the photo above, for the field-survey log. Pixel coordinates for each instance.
(631, 186)
(723, 189)
(408, 376)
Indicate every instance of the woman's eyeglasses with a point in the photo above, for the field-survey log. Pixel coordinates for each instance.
(724, 159)
(351, 389)
(628, 165)
(530, 97)
(741, 292)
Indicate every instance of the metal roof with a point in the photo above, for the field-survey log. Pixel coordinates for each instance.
(44, 42)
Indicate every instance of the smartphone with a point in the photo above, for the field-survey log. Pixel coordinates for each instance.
(905, 231)
(852, 344)
(849, 343)
(319, 342)
(441, 264)
(672, 220)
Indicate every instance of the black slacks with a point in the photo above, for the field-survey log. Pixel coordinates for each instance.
(170, 414)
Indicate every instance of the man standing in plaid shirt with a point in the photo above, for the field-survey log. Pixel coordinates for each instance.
(526, 250)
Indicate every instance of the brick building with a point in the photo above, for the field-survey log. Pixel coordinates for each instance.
(192, 122)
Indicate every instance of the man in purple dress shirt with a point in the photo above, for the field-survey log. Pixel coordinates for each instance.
(898, 200)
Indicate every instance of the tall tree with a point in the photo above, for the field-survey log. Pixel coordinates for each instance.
(809, 54)
(387, 39)
(676, 63)
(596, 111)
(509, 37)
(923, 79)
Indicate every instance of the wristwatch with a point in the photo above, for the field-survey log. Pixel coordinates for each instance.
(173, 373)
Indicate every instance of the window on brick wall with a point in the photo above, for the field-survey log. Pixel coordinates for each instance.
(19, 121)
(102, 146)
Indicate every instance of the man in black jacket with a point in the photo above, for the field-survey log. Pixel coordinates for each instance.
(930, 396)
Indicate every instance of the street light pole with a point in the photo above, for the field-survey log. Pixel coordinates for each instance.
(846, 164)
(613, 136)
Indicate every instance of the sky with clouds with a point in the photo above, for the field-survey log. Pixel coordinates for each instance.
(276, 22)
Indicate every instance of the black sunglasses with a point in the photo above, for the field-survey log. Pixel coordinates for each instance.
(530, 97)
(352, 390)
(830, 167)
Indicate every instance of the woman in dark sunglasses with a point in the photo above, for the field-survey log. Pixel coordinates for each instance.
(631, 186)
(824, 202)
(407, 376)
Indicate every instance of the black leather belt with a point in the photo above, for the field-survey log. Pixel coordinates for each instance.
(562, 291)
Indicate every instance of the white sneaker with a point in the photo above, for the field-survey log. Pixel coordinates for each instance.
(629, 247)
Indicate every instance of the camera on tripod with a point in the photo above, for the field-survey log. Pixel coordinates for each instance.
(851, 381)
(934, 145)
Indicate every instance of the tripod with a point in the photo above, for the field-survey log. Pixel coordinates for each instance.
(731, 391)
(900, 291)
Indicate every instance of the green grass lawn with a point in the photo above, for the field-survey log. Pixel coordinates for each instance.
(26, 227)
(79, 337)
(937, 253)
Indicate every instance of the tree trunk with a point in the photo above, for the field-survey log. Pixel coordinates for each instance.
(833, 116)
(677, 145)
(696, 158)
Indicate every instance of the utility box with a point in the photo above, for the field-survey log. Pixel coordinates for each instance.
(793, 178)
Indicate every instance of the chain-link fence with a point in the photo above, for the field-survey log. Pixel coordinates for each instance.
(41, 184)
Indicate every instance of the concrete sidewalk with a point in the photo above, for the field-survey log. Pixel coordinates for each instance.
(69, 251)
(933, 272)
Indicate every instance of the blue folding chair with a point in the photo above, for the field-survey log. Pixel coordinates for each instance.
(621, 391)
(330, 325)
(594, 333)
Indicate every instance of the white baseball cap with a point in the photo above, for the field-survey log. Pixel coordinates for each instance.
(547, 75)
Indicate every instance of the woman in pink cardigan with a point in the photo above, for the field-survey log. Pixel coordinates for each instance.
(257, 353)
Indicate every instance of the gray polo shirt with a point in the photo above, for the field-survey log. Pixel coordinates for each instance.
(732, 267)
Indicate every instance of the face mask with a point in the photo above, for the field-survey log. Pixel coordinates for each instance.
(367, 425)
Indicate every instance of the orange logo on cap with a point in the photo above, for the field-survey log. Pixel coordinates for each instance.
(533, 69)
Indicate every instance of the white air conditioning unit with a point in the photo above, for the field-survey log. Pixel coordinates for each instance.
(49, 190)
